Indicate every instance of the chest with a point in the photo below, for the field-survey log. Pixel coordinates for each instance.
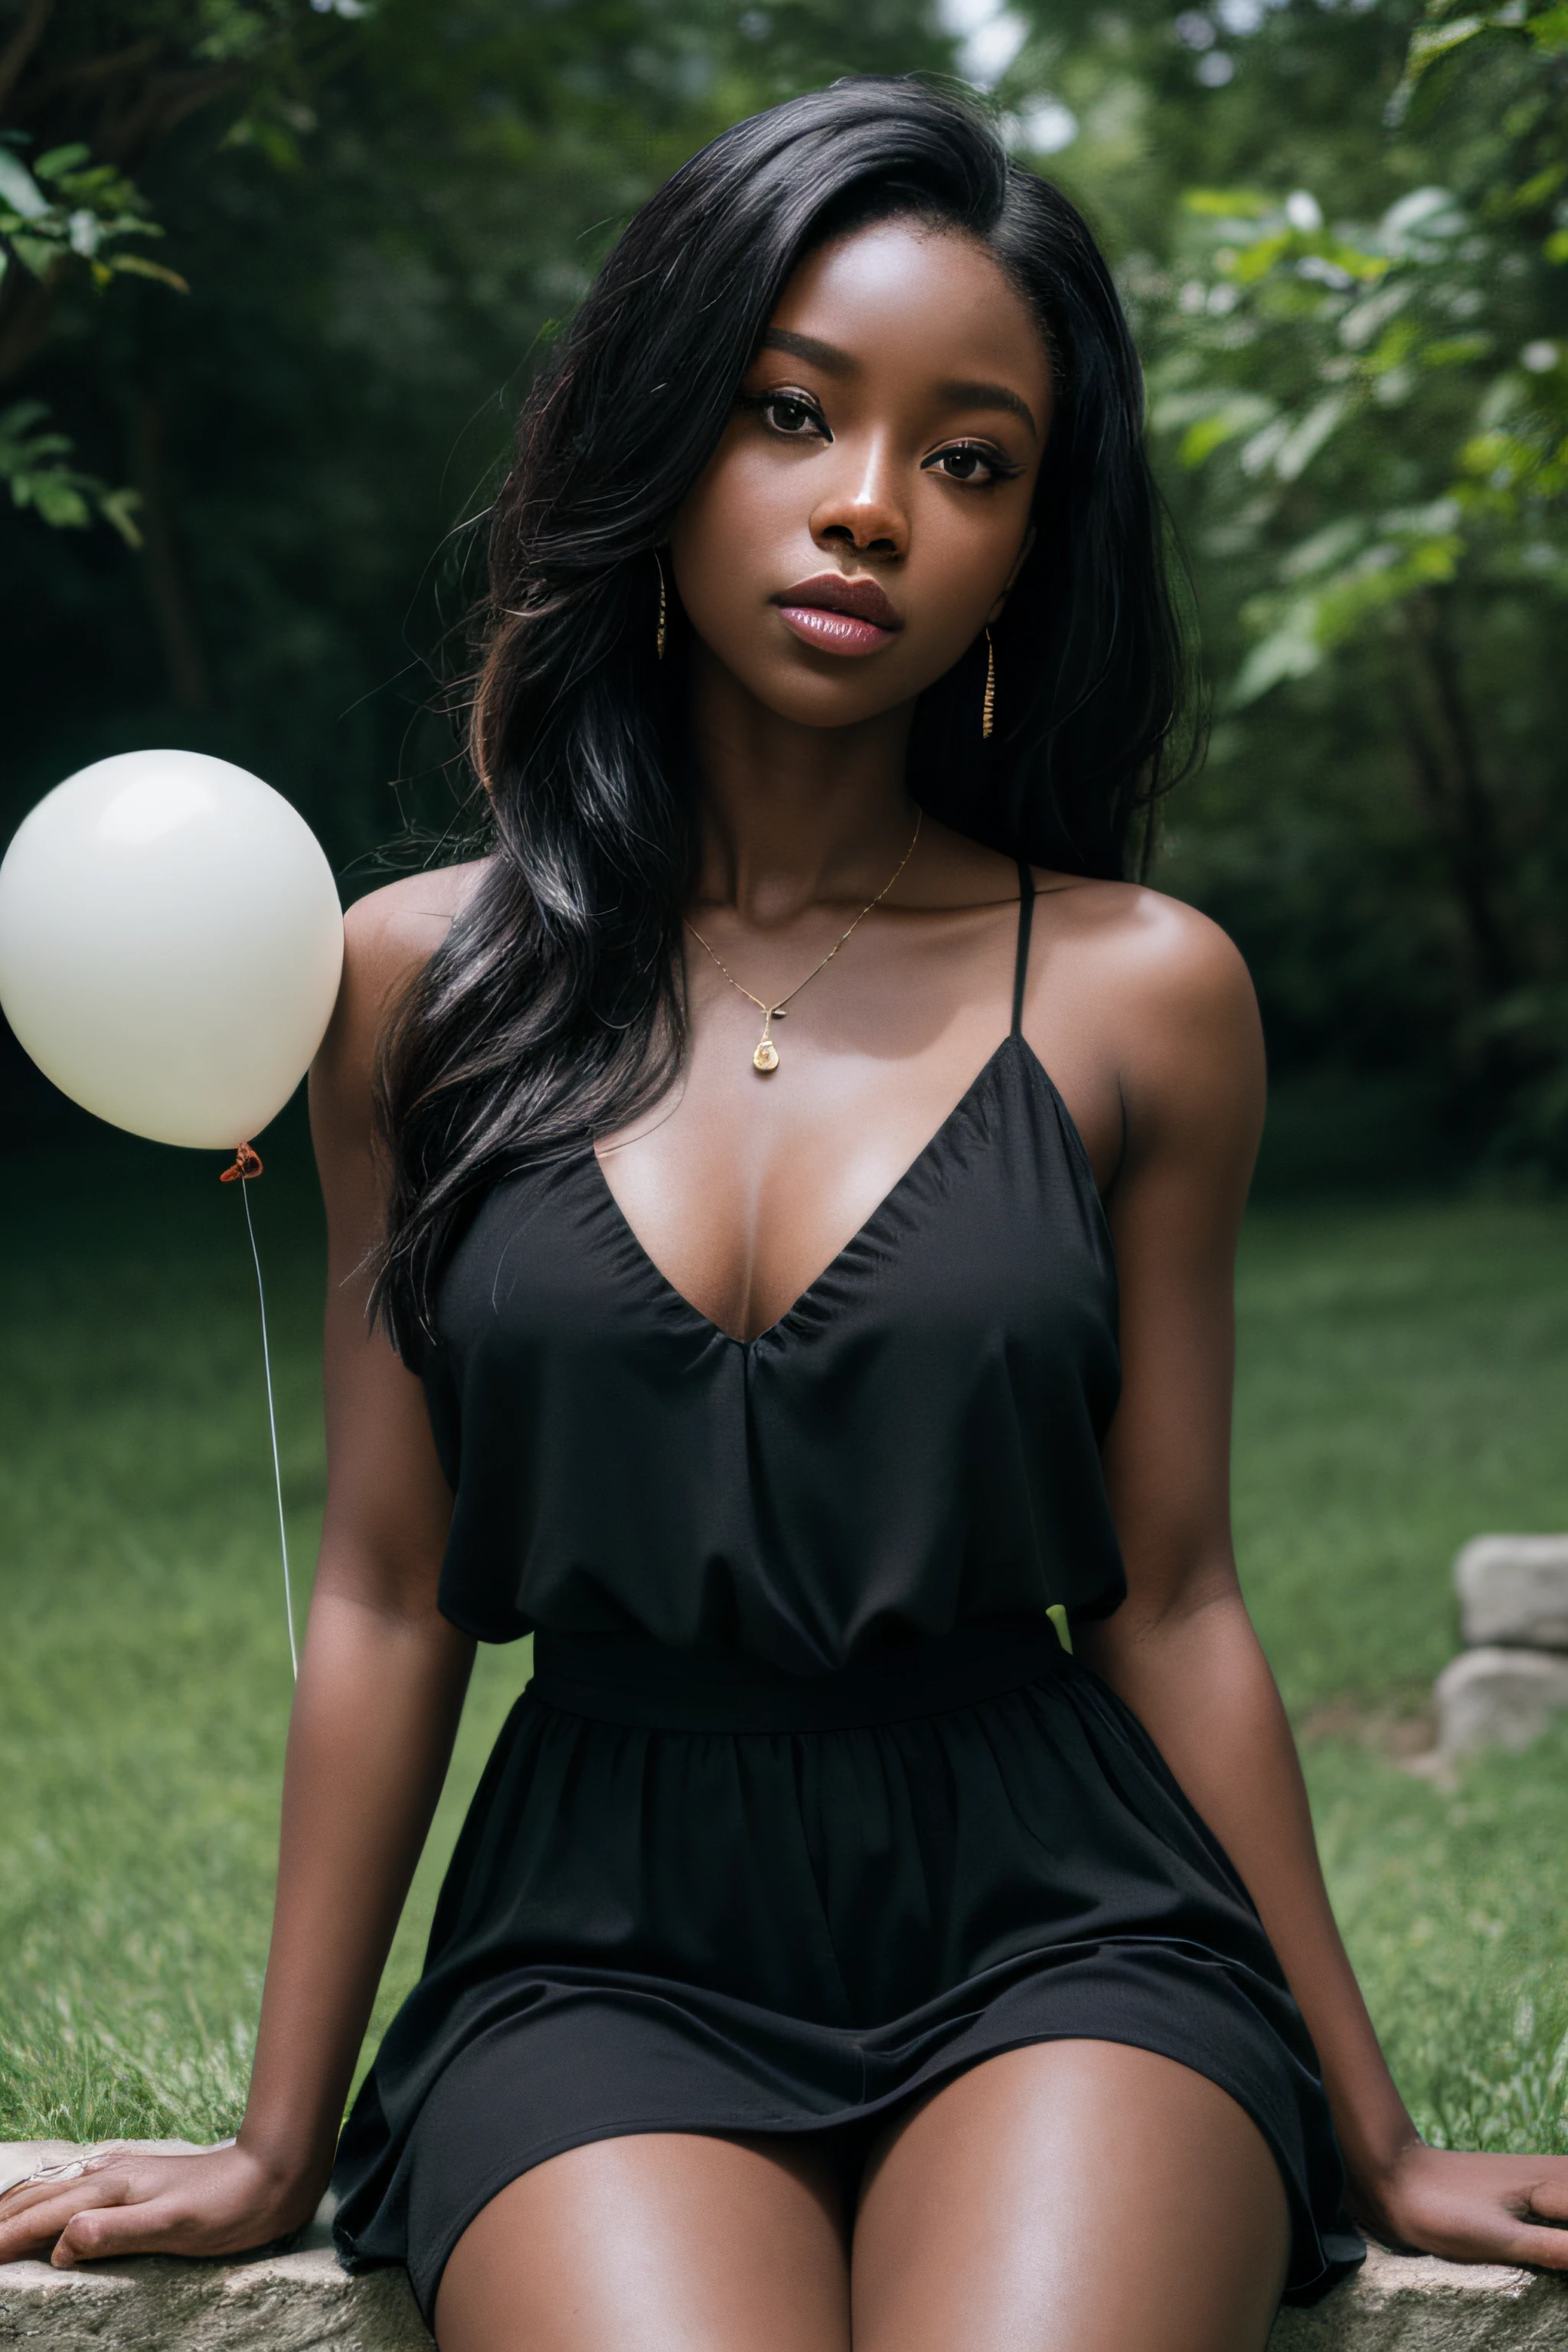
(742, 1187)
(990, 1245)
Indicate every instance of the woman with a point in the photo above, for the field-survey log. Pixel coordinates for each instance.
(829, 1955)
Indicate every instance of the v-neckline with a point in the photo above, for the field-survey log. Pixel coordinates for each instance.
(770, 1330)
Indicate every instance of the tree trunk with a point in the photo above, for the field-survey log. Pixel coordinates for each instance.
(1441, 734)
(166, 575)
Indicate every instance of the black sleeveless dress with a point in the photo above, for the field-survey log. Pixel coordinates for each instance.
(806, 1808)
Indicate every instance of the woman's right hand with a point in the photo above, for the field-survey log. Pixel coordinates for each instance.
(218, 2200)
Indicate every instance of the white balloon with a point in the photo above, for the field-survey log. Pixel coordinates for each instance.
(170, 944)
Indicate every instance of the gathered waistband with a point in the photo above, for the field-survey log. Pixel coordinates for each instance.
(629, 1679)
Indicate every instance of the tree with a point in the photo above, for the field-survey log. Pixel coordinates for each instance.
(85, 96)
(1343, 231)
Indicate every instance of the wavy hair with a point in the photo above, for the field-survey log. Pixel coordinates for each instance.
(554, 1009)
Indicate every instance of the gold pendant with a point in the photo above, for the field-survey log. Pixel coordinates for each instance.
(766, 1056)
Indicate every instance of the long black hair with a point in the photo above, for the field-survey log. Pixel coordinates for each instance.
(554, 1009)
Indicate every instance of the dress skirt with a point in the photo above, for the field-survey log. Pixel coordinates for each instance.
(694, 1894)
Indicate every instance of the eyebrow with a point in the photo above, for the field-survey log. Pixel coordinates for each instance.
(990, 395)
(827, 356)
(833, 361)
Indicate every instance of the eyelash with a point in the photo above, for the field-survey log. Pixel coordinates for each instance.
(999, 468)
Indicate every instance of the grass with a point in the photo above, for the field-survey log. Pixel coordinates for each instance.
(1405, 1381)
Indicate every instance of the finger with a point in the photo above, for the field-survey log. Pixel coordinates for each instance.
(1540, 2248)
(152, 2226)
(49, 2206)
(1549, 2194)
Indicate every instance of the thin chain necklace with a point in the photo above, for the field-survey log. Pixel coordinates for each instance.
(765, 1055)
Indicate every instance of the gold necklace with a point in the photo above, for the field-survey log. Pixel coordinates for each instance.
(765, 1054)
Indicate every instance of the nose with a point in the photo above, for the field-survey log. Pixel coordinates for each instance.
(863, 508)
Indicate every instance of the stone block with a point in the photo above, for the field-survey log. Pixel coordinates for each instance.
(1413, 2302)
(1513, 1590)
(299, 2301)
(303, 2301)
(1497, 1698)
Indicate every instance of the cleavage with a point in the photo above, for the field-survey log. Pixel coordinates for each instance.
(742, 1190)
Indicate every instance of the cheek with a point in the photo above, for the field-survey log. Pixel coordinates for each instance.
(727, 539)
(958, 566)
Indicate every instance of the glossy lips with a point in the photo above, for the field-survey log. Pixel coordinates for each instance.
(838, 616)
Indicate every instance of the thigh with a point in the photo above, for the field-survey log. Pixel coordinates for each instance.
(1072, 2197)
(664, 2241)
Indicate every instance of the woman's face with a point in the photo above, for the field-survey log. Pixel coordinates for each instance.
(868, 508)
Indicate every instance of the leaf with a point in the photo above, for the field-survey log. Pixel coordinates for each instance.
(1326, 548)
(1301, 445)
(118, 509)
(60, 503)
(35, 254)
(1549, 31)
(1429, 42)
(1226, 203)
(1289, 651)
(15, 420)
(18, 187)
(1454, 350)
(60, 159)
(136, 264)
(1213, 424)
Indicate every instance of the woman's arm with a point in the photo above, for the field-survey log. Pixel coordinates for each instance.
(381, 1688)
(1181, 1651)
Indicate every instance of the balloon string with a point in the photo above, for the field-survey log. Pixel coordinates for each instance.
(272, 1425)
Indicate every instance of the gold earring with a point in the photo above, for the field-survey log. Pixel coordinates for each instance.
(662, 631)
(988, 708)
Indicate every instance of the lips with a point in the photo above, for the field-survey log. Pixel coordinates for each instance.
(840, 616)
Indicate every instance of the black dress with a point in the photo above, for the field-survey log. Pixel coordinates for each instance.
(807, 1809)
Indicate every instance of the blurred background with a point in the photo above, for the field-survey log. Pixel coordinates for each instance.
(275, 273)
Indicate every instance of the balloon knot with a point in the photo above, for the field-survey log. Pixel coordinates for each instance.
(247, 1164)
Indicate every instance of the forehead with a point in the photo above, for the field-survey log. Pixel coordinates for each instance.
(917, 296)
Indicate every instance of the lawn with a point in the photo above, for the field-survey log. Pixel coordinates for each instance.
(1404, 1385)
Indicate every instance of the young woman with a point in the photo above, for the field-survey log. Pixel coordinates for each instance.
(798, 1179)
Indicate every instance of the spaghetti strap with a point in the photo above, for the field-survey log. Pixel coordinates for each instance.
(1026, 924)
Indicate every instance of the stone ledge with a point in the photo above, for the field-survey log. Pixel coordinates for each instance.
(303, 2301)
(1513, 1589)
(1499, 1699)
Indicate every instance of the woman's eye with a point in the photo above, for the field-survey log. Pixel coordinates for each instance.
(795, 417)
(968, 464)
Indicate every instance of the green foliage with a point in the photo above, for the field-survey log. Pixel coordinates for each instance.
(34, 464)
(1342, 234)
(68, 212)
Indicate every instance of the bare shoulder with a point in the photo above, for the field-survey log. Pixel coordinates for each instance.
(391, 933)
(388, 938)
(1168, 970)
(1162, 1008)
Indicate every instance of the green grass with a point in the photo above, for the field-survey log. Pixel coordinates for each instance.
(1404, 1384)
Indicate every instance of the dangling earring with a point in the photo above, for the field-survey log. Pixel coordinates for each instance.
(662, 631)
(988, 708)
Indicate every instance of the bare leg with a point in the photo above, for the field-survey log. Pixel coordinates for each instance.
(667, 2242)
(1072, 2197)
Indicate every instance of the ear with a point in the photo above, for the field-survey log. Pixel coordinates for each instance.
(994, 615)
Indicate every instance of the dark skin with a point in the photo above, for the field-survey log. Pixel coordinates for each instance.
(892, 429)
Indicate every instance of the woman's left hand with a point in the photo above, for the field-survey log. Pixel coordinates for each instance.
(1473, 2208)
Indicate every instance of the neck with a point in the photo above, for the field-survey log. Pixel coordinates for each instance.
(793, 817)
